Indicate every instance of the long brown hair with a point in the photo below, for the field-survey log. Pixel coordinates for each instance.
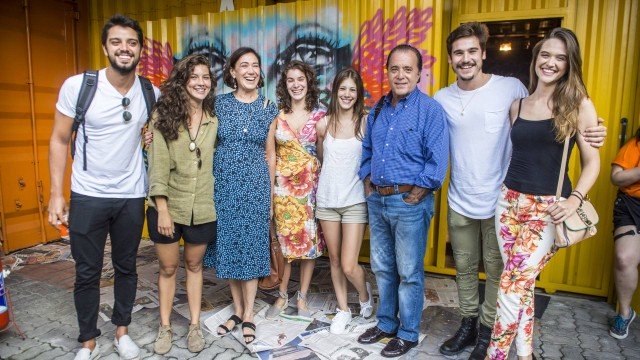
(570, 89)
(313, 93)
(172, 108)
(358, 106)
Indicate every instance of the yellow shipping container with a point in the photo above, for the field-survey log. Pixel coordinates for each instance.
(335, 33)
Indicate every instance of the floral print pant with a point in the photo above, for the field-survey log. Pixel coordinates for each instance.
(526, 237)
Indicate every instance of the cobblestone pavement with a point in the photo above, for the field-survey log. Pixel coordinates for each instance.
(571, 327)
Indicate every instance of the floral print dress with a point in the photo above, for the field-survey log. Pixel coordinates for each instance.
(296, 182)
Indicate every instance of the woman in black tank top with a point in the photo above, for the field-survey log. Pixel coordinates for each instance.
(527, 211)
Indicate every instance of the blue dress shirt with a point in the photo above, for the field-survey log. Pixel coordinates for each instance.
(407, 144)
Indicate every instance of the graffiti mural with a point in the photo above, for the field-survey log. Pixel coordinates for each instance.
(317, 45)
(378, 36)
(323, 40)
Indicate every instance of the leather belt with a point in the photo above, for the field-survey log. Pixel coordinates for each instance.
(392, 190)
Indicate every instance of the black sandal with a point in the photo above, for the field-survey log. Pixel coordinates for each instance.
(236, 320)
(252, 337)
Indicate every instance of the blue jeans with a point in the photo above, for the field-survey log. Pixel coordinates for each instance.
(398, 243)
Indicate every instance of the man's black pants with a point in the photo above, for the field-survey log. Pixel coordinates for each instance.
(90, 219)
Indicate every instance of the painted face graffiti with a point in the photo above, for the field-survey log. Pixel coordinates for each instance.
(281, 39)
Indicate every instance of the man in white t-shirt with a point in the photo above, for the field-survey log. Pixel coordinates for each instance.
(108, 183)
(477, 108)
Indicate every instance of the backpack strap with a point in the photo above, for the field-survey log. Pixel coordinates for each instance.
(87, 92)
(378, 108)
(150, 100)
(149, 95)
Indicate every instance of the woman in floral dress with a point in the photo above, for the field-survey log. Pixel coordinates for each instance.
(558, 108)
(296, 179)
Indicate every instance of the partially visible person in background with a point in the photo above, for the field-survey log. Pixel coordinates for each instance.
(625, 173)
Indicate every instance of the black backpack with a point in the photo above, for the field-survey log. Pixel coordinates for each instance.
(87, 92)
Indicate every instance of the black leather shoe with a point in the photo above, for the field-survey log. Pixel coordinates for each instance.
(480, 351)
(373, 335)
(465, 336)
(397, 347)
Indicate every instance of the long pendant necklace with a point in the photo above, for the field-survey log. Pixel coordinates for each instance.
(250, 105)
(192, 144)
(463, 106)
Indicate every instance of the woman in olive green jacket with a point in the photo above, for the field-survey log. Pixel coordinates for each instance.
(181, 189)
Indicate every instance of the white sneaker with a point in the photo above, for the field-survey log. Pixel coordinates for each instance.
(366, 308)
(126, 348)
(86, 354)
(340, 322)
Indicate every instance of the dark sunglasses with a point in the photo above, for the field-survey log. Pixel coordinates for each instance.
(126, 115)
(199, 160)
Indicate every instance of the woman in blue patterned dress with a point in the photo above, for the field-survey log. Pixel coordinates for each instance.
(243, 186)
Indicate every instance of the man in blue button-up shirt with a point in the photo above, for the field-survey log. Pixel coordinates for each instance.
(404, 160)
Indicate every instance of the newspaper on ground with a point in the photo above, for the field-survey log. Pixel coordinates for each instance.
(146, 297)
(441, 292)
(346, 347)
(39, 254)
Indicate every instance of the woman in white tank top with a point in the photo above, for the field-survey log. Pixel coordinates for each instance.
(341, 205)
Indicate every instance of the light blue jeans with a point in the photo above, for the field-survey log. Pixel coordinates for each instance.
(398, 243)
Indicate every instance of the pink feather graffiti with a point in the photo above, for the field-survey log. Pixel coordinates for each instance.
(378, 36)
(156, 61)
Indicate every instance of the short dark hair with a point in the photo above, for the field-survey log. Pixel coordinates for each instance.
(474, 28)
(406, 47)
(231, 62)
(124, 21)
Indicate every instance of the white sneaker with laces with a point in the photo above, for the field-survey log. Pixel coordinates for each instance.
(340, 322)
(86, 354)
(366, 308)
(126, 348)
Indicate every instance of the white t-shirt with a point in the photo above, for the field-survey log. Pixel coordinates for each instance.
(479, 144)
(115, 167)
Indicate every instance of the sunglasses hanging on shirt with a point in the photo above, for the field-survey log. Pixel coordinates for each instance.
(126, 115)
(199, 159)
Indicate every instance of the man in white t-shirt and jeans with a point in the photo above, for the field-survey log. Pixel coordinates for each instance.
(477, 109)
(107, 197)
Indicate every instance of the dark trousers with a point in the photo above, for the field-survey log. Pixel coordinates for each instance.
(90, 219)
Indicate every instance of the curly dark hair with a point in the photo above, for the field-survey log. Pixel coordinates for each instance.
(172, 108)
(231, 63)
(313, 93)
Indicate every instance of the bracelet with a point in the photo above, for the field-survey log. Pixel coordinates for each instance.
(578, 197)
(579, 193)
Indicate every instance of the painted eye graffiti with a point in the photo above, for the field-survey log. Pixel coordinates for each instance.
(319, 47)
(214, 48)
